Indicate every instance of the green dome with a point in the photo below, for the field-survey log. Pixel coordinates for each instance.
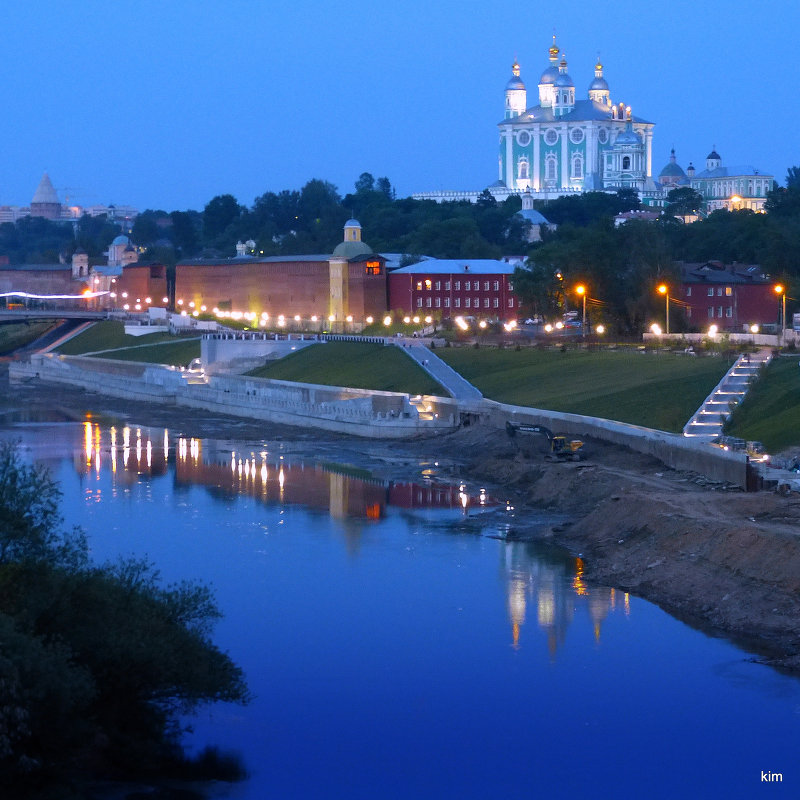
(351, 250)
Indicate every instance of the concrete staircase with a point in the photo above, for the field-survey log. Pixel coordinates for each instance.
(708, 419)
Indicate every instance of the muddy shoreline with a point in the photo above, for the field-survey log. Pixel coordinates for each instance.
(719, 559)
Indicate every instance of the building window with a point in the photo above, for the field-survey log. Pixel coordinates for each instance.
(419, 286)
(438, 302)
(577, 166)
(719, 311)
(522, 169)
(729, 311)
(626, 162)
(457, 302)
(711, 312)
(496, 303)
(497, 286)
(486, 302)
(447, 286)
(476, 302)
(728, 291)
(719, 291)
(447, 302)
(486, 286)
(467, 303)
(373, 268)
(511, 302)
(467, 285)
(711, 291)
(458, 286)
(438, 285)
(419, 302)
(428, 302)
(688, 291)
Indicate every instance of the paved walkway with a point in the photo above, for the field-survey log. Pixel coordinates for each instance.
(442, 372)
(708, 420)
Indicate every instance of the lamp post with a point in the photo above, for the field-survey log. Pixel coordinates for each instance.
(580, 289)
(664, 289)
(781, 291)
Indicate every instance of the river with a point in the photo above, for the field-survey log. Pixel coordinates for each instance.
(398, 647)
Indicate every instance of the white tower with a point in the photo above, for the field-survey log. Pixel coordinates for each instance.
(516, 95)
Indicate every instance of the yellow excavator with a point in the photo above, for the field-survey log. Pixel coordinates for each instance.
(561, 448)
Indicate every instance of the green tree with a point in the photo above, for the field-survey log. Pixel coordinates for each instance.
(218, 214)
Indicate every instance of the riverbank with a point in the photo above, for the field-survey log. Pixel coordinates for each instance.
(720, 559)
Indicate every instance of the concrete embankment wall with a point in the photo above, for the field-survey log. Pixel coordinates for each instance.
(353, 411)
(674, 450)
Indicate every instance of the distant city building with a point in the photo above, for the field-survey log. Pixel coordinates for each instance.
(45, 202)
(455, 287)
(731, 188)
(642, 215)
(730, 296)
(537, 220)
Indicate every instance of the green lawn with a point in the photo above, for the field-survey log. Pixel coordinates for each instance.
(657, 390)
(771, 411)
(105, 336)
(177, 353)
(359, 366)
(15, 335)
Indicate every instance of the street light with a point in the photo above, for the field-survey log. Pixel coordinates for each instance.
(580, 289)
(664, 289)
(781, 290)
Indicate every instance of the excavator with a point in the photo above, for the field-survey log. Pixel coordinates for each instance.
(561, 448)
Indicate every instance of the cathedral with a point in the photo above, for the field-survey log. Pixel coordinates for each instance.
(562, 144)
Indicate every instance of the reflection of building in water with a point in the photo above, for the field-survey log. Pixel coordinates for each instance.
(557, 589)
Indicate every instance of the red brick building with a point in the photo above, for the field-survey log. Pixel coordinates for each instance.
(730, 296)
(455, 287)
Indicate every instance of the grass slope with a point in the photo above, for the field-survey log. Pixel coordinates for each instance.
(659, 391)
(16, 335)
(177, 353)
(106, 335)
(771, 411)
(359, 366)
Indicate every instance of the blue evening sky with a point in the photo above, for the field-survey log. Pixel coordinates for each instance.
(166, 104)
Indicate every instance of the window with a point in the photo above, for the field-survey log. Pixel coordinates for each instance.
(476, 302)
(577, 166)
(419, 302)
(626, 162)
(438, 302)
(467, 285)
(522, 169)
(688, 291)
(728, 291)
(419, 286)
(719, 291)
(511, 302)
(550, 168)
(457, 302)
(711, 312)
(486, 286)
(719, 311)
(496, 303)
(710, 291)
(729, 311)
(467, 303)
(428, 284)
(428, 302)
(447, 286)
(447, 302)
(486, 302)
(373, 268)
(438, 285)
(497, 286)
(458, 286)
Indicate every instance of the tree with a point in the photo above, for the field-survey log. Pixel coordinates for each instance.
(384, 185)
(218, 214)
(96, 662)
(683, 202)
(365, 183)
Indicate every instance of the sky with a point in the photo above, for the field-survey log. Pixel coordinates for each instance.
(167, 104)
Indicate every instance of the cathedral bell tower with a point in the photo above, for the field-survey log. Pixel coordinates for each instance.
(516, 95)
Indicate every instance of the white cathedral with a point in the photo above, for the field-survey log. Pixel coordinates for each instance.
(562, 145)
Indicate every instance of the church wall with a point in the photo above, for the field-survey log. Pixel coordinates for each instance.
(40, 281)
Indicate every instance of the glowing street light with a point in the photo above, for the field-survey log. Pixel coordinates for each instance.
(580, 290)
(664, 289)
(600, 329)
(712, 330)
(656, 329)
(781, 291)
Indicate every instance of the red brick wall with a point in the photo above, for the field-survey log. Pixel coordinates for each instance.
(746, 303)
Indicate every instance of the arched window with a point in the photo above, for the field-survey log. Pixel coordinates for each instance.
(550, 167)
(626, 162)
(577, 166)
(522, 169)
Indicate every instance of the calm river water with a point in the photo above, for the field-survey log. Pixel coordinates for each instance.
(398, 647)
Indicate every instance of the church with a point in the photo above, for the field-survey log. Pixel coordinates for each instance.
(564, 143)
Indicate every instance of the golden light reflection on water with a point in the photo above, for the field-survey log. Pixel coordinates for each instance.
(558, 590)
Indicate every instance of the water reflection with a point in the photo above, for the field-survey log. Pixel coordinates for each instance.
(554, 587)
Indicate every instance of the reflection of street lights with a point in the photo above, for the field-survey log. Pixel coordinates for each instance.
(781, 290)
(580, 289)
(664, 289)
